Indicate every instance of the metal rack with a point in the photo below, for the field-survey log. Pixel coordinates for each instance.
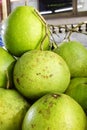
(62, 32)
(64, 28)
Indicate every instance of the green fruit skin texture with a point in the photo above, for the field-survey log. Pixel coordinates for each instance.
(75, 55)
(55, 112)
(24, 30)
(39, 72)
(7, 62)
(77, 89)
(13, 108)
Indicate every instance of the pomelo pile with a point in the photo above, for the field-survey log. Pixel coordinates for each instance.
(35, 81)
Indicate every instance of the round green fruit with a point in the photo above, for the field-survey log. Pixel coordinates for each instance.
(77, 89)
(75, 55)
(13, 108)
(25, 29)
(55, 112)
(7, 62)
(39, 72)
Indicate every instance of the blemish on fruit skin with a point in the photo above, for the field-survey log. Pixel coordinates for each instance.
(22, 75)
(47, 111)
(1, 122)
(18, 80)
(40, 111)
(50, 75)
(60, 63)
(38, 73)
(51, 104)
(48, 128)
(45, 76)
(33, 125)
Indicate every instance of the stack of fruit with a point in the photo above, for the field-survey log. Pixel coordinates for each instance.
(40, 89)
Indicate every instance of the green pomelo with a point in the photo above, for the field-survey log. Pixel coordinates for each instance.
(13, 108)
(6, 68)
(55, 112)
(39, 72)
(24, 30)
(75, 55)
(77, 89)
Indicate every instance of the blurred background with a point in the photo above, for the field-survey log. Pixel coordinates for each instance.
(63, 14)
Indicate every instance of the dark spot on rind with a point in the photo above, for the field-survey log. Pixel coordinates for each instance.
(38, 73)
(18, 80)
(50, 75)
(22, 75)
(51, 104)
(48, 110)
(40, 111)
(44, 76)
(60, 63)
(1, 122)
(48, 128)
(33, 125)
